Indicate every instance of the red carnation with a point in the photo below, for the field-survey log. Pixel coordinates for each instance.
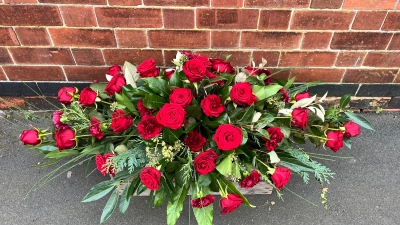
(195, 141)
(203, 201)
(120, 121)
(95, 128)
(285, 95)
(143, 111)
(212, 105)
(281, 177)
(149, 127)
(242, 94)
(275, 137)
(103, 164)
(230, 203)
(251, 180)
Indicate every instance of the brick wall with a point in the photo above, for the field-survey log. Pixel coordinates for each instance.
(338, 41)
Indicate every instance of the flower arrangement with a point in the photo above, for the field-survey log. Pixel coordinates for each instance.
(197, 128)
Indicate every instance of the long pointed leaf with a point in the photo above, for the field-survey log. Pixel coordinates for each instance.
(110, 206)
(99, 190)
(360, 120)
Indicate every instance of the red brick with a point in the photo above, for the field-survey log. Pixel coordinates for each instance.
(225, 39)
(2, 74)
(270, 40)
(179, 39)
(238, 58)
(392, 21)
(382, 59)
(227, 18)
(29, 15)
(326, 4)
(395, 43)
(271, 57)
(368, 20)
(321, 20)
(227, 3)
(360, 40)
(280, 73)
(178, 18)
(316, 40)
(278, 4)
(169, 55)
(125, 2)
(176, 2)
(308, 59)
(78, 16)
(134, 56)
(34, 73)
(33, 36)
(82, 37)
(369, 76)
(12, 102)
(19, 1)
(93, 2)
(42, 56)
(350, 59)
(310, 74)
(397, 79)
(369, 4)
(88, 56)
(274, 19)
(86, 73)
(131, 38)
(129, 17)
(8, 37)
(4, 56)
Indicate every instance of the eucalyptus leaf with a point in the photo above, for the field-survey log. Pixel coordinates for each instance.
(347, 142)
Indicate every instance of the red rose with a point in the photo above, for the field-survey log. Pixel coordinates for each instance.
(101, 164)
(194, 70)
(301, 95)
(150, 177)
(335, 140)
(211, 75)
(148, 68)
(204, 163)
(281, 177)
(149, 127)
(230, 203)
(251, 180)
(57, 115)
(194, 141)
(203, 201)
(120, 121)
(65, 95)
(300, 118)
(171, 115)
(169, 73)
(114, 70)
(242, 94)
(143, 111)
(65, 138)
(212, 105)
(95, 128)
(206, 62)
(221, 66)
(181, 96)
(115, 84)
(275, 137)
(255, 71)
(285, 95)
(87, 97)
(30, 137)
(228, 137)
(352, 129)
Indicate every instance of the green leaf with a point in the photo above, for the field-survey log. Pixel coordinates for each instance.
(154, 101)
(299, 140)
(125, 200)
(99, 190)
(158, 85)
(237, 113)
(345, 100)
(194, 111)
(133, 187)
(175, 80)
(175, 205)
(204, 180)
(263, 132)
(130, 74)
(225, 93)
(159, 197)
(285, 131)
(245, 136)
(263, 92)
(61, 154)
(289, 83)
(99, 87)
(110, 206)
(44, 149)
(225, 166)
(359, 120)
(92, 150)
(204, 215)
(170, 136)
(230, 187)
(248, 115)
(347, 142)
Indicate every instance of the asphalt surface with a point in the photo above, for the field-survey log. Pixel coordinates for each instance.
(366, 188)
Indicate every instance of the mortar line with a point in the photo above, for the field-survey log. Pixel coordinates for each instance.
(384, 20)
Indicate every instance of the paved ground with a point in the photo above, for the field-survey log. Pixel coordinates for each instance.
(364, 191)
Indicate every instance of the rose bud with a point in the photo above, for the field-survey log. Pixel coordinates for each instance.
(148, 127)
(251, 180)
(66, 95)
(281, 177)
(115, 84)
(181, 96)
(228, 137)
(301, 95)
(275, 137)
(242, 94)
(221, 66)
(203, 201)
(212, 105)
(30, 137)
(335, 140)
(120, 121)
(114, 70)
(171, 115)
(150, 177)
(65, 138)
(300, 118)
(230, 203)
(148, 68)
(169, 73)
(57, 115)
(195, 141)
(195, 70)
(87, 97)
(351, 129)
(101, 164)
(204, 163)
